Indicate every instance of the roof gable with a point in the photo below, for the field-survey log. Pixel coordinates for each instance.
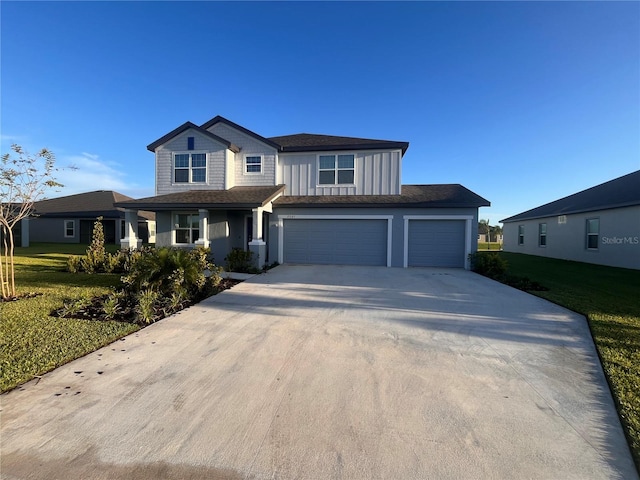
(219, 119)
(620, 192)
(184, 127)
(307, 142)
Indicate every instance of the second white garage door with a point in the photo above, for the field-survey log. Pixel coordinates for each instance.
(335, 241)
(436, 243)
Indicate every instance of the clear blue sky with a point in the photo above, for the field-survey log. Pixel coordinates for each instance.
(523, 103)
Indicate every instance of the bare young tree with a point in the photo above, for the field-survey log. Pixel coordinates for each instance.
(24, 179)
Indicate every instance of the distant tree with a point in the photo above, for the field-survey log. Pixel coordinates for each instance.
(24, 179)
(483, 227)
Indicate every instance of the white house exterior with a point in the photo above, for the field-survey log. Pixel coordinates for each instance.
(599, 225)
(302, 198)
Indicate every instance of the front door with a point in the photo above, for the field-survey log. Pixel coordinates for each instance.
(248, 231)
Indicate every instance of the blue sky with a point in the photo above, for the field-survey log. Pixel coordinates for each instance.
(521, 102)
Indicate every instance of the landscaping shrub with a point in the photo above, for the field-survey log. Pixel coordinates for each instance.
(238, 260)
(157, 283)
(488, 264)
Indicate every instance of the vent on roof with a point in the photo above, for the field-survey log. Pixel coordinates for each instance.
(562, 219)
(190, 142)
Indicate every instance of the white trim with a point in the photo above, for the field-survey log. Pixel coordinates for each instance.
(190, 168)
(244, 164)
(281, 218)
(194, 213)
(64, 224)
(467, 241)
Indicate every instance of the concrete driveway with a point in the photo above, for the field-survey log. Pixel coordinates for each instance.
(331, 373)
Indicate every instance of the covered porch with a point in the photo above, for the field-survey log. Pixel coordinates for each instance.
(217, 219)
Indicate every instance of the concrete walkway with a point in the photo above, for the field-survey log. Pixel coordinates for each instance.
(331, 373)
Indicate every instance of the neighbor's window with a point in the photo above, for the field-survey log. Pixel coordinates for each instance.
(190, 168)
(69, 228)
(593, 231)
(187, 227)
(542, 235)
(253, 164)
(520, 234)
(336, 169)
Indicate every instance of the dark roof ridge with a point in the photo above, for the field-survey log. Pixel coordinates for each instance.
(619, 192)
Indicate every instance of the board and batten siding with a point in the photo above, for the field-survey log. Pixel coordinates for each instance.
(376, 173)
(248, 146)
(216, 154)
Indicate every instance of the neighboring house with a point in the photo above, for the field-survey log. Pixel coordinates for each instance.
(313, 199)
(598, 225)
(70, 219)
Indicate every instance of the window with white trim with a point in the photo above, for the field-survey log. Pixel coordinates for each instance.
(593, 231)
(520, 234)
(542, 234)
(253, 164)
(69, 228)
(189, 168)
(336, 169)
(187, 228)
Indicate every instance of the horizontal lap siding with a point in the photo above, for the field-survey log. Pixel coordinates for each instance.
(335, 242)
(436, 243)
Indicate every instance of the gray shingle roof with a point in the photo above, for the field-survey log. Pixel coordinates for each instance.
(620, 192)
(220, 119)
(306, 142)
(413, 196)
(86, 205)
(234, 198)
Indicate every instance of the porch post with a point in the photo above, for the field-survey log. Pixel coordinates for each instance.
(130, 239)
(203, 238)
(257, 245)
(24, 230)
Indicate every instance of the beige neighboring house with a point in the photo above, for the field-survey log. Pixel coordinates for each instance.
(599, 225)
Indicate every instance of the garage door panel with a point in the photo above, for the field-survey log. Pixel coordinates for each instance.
(436, 243)
(335, 241)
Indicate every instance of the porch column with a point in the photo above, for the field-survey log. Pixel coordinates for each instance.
(203, 225)
(257, 245)
(130, 240)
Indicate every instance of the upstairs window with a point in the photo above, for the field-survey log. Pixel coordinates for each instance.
(187, 228)
(593, 231)
(253, 164)
(190, 168)
(336, 169)
(520, 234)
(542, 234)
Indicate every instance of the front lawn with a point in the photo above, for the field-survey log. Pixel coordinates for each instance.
(31, 341)
(610, 299)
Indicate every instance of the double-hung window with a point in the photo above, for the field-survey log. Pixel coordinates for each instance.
(187, 228)
(69, 228)
(190, 168)
(253, 164)
(520, 234)
(336, 169)
(593, 231)
(542, 234)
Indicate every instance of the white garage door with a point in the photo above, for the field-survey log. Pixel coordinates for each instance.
(436, 243)
(335, 242)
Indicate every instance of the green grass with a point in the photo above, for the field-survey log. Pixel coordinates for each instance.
(32, 342)
(610, 299)
(489, 246)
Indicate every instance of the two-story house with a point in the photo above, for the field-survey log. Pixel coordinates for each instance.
(312, 199)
